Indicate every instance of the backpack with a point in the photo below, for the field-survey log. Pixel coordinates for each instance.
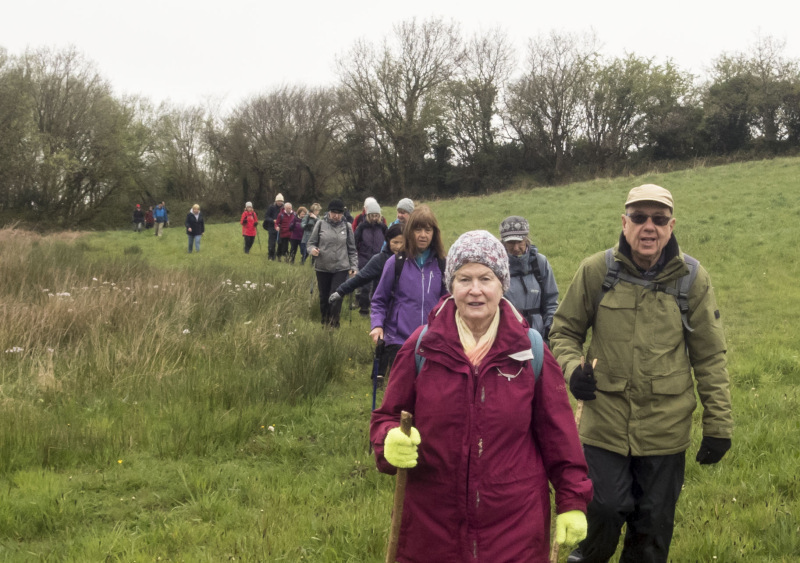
(537, 348)
(537, 274)
(680, 290)
(400, 260)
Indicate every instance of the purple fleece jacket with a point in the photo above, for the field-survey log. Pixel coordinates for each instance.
(417, 291)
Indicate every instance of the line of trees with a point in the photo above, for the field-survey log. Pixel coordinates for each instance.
(424, 111)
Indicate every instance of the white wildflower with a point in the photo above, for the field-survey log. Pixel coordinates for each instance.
(186, 331)
(51, 350)
(271, 428)
(268, 285)
(277, 336)
(247, 282)
(14, 350)
(63, 294)
(94, 279)
(155, 287)
(248, 322)
(45, 291)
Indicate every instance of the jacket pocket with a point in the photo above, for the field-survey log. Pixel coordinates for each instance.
(616, 315)
(674, 384)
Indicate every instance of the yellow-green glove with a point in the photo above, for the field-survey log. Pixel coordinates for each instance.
(570, 527)
(401, 450)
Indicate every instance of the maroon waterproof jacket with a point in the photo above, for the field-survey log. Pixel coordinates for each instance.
(284, 222)
(492, 438)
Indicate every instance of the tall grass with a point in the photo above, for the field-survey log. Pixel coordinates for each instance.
(123, 437)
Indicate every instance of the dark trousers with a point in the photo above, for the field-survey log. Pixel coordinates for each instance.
(248, 243)
(364, 297)
(638, 491)
(303, 252)
(293, 249)
(387, 359)
(327, 282)
(273, 240)
(283, 248)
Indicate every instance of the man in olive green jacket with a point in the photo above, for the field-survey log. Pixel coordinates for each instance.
(640, 396)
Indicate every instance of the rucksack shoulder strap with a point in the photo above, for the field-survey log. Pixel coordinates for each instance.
(537, 348)
(611, 279)
(684, 286)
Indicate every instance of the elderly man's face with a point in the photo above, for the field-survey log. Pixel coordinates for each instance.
(647, 239)
(402, 215)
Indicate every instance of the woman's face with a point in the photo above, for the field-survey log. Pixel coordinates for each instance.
(422, 238)
(301, 214)
(335, 216)
(477, 292)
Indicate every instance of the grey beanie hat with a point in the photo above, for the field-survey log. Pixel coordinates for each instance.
(372, 206)
(405, 204)
(514, 228)
(480, 247)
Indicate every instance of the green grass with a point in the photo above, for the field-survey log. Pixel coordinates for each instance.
(124, 439)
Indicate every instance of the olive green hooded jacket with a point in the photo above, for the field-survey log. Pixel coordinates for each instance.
(645, 391)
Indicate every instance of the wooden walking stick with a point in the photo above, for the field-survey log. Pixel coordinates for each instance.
(406, 419)
(578, 414)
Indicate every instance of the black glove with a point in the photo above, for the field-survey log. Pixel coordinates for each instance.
(582, 383)
(712, 449)
(334, 298)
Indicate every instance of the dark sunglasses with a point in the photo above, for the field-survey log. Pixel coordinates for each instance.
(641, 219)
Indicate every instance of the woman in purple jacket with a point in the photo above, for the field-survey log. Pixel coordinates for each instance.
(489, 434)
(401, 303)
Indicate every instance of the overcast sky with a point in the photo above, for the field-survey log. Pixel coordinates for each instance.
(228, 50)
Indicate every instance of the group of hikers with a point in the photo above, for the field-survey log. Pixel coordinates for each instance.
(157, 218)
(474, 343)
(477, 347)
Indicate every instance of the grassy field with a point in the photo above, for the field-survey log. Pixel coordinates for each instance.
(160, 406)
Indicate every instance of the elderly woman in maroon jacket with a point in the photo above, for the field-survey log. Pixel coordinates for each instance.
(489, 435)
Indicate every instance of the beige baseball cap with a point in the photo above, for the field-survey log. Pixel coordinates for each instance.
(650, 192)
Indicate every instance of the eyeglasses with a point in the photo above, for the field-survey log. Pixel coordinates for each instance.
(641, 219)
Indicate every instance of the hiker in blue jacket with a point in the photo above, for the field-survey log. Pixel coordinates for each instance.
(533, 289)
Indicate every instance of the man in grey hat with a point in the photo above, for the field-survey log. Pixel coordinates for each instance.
(654, 321)
(533, 289)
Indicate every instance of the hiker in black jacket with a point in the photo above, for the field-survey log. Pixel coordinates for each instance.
(373, 269)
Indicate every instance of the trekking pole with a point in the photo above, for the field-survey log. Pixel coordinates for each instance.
(350, 310)
(376, 366)
(258, 238)
(406, 418)
(578, 414)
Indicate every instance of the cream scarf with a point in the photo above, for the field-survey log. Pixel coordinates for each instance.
(476, 351)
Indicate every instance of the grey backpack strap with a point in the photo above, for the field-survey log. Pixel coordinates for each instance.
(684, 286)
(611, 279)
